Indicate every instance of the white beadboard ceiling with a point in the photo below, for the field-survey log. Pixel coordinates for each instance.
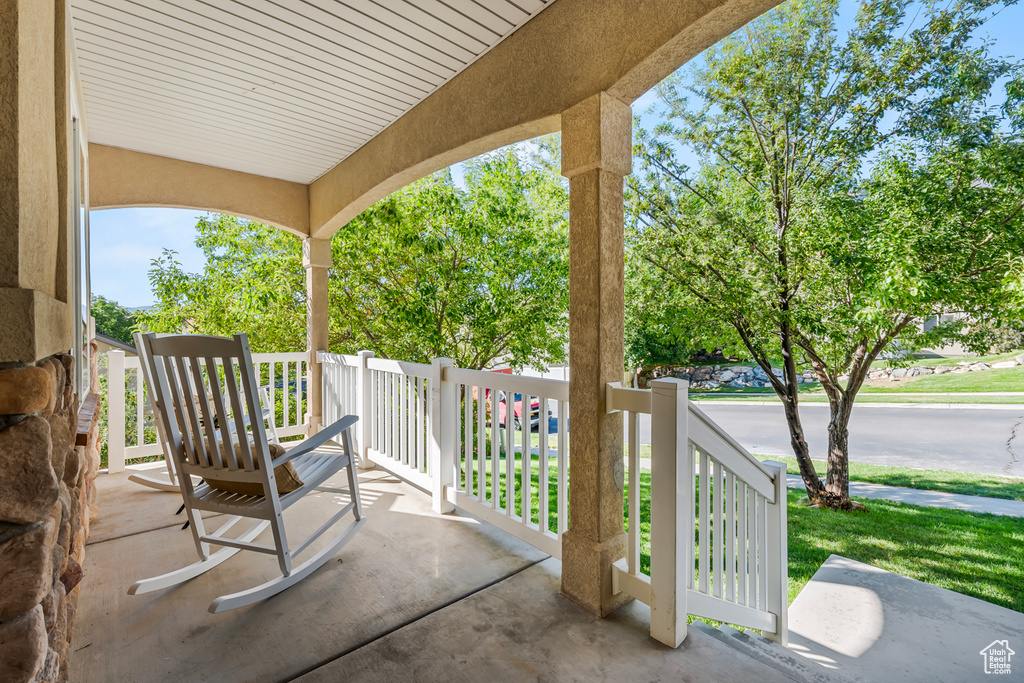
(279, 88)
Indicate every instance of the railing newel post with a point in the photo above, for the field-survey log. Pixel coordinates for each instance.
(115, 411)
(777, 556)
(671, 538)
(443, 418)
(365, 404)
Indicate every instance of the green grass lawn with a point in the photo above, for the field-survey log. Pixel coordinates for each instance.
(1005, 379)
(874, 396)
(974, 554)
(966, 483)
(993, 358)
(965, 398)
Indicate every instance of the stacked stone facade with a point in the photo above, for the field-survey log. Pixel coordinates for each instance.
(47, 500)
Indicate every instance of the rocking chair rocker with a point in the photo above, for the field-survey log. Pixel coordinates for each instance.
(201, 386)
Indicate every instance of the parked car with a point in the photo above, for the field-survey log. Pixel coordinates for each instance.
(517, 410)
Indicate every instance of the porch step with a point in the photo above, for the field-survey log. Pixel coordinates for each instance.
(771, 654)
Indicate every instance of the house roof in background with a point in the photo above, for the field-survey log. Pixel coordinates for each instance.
(116, 343)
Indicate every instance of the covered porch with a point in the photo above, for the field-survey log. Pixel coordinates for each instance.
(333, 121)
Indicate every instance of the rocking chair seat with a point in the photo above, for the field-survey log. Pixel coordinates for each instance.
(312, 469)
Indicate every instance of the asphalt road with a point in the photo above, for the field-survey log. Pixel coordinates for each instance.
(968, 440)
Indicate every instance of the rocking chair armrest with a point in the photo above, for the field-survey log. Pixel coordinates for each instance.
(317, 440)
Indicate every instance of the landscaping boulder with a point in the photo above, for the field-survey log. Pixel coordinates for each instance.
(1003, 364)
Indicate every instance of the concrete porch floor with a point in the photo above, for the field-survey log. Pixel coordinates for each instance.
(414, 596)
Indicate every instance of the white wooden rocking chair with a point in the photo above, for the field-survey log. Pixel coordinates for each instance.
(170, 482)
(186, 368)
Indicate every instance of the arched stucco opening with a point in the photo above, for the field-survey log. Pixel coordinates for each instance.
(120, 178)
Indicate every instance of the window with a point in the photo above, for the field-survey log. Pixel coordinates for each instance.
(81, 318)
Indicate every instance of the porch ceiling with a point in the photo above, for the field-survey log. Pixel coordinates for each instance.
(278, 88)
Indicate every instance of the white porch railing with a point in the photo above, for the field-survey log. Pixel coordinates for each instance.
(454, 432)
(395, 408)
(130, 430)
(702, 482)
(467, 437)
(717, 515)
(526, 495)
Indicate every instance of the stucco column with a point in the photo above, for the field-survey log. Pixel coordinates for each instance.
(596, 156)
(316, 258)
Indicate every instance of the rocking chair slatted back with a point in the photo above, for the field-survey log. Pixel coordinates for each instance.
(208, 394)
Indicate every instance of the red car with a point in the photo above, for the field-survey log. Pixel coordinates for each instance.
(517, 406)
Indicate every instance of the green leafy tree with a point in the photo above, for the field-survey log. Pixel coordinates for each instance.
(253, 281)
(477, 274)
(845, 191)
(659, 329)
(113, 319)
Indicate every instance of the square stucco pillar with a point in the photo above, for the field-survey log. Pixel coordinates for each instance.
(316, 259)
(596, 156)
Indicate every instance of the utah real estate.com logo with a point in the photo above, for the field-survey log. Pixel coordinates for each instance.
(997, 657)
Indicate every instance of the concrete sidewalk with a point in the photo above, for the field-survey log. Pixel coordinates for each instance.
(934, 499)
(872, 625)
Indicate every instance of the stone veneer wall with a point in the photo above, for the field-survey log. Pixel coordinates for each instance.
(47, 499)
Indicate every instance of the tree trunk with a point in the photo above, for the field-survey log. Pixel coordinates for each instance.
(837, 483)
(803, 455)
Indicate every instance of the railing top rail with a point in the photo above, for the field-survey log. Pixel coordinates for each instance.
(337, 359)
(725, 436)
(399, 367)
(716, 442)
(287, 356)
(531, 386)
(131, 362)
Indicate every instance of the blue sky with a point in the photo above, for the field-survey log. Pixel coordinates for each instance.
(125, 241)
